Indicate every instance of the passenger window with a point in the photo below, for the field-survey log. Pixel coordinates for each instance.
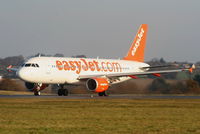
(33, 65)
(37, 65)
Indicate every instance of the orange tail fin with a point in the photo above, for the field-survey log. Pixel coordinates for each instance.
(136, 52)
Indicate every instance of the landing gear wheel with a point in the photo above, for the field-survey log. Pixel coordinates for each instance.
(60, 92)
(102, 93)
(37, 93)
(63, 92)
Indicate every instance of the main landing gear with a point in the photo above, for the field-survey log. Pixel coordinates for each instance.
(103, 93)
(62, 91)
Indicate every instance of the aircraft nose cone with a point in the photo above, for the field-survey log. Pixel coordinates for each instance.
(20, 74)
(23, 74)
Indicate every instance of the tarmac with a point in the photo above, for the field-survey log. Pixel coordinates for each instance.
(121, 96)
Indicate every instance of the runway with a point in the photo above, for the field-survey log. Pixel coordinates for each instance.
(87, 96)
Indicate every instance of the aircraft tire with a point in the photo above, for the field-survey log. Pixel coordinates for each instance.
(60, 92)
(65, 92)
(100, 93)
(103, 93)
(37, 93)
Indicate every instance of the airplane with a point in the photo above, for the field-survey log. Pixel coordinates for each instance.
(96, 74)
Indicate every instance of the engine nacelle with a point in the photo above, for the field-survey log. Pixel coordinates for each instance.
(33, 86)
(97, 84)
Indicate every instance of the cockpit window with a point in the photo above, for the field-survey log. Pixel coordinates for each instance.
(30, 65)
(27, 65)
(33, 65)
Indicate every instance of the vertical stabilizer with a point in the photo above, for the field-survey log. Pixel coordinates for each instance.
(136, 51)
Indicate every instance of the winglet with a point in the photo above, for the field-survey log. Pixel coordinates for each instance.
(136, 51)
(192, 68)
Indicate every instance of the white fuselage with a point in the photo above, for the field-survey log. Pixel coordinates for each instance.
(56, 70)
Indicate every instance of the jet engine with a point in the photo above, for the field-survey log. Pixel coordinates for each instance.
(33, 86)
(97, 84)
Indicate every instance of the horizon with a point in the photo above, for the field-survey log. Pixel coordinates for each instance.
(74, 56)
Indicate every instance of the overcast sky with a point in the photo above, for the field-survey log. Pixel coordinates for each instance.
(103, 28)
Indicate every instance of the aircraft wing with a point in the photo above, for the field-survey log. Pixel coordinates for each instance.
(136, 73)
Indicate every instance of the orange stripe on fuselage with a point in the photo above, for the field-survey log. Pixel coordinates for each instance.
(83, 65)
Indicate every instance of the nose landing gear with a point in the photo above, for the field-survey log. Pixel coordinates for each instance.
(37, 93)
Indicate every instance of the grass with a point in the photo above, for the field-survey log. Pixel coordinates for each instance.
(92, 116)
(7, 92)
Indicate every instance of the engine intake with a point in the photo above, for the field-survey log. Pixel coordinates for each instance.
(29, 86)
(97, 84)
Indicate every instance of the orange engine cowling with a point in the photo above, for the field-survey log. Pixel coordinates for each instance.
(97, 84)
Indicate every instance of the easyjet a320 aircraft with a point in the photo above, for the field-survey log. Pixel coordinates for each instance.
(96, 74)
